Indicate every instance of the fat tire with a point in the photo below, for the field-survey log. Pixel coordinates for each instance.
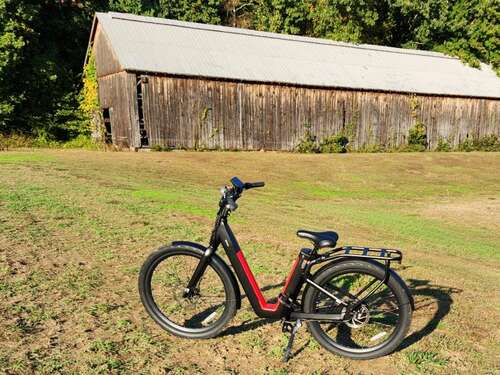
(398, 287)
(154, 259)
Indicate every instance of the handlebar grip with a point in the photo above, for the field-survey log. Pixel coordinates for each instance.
(251, 185)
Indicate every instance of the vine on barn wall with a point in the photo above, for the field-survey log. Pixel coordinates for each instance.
(417, 135)
(89, 101)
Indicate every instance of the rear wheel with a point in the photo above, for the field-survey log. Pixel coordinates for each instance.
(162, 283)
(377, 326)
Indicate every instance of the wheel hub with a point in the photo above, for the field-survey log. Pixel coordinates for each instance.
(359, 318)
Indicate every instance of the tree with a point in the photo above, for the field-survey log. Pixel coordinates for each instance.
(464, 28)
(43, 42)
(281, 16)
(203, 11)
(15, 41)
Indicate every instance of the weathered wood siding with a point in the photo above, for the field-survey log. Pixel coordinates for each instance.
(199, 113)
(118, 93)
(105, 59)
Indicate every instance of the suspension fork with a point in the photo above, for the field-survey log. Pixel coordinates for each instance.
(198, 272)
(190, 289)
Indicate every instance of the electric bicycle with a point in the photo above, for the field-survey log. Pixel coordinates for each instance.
(353, 302)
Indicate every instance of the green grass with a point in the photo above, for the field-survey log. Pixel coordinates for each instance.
(423, 360)
(16, 157)
(75, 227)
(428, 233)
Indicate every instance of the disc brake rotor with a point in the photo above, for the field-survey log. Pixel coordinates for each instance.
(360, 318)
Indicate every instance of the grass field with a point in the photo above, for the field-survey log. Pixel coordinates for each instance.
(75, 227)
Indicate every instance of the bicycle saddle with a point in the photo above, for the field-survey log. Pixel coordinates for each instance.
(320, 239)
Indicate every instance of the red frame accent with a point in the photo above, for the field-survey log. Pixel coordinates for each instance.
(264, 305)
(295, 264)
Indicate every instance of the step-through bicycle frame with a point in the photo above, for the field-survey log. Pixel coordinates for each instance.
(285, 306)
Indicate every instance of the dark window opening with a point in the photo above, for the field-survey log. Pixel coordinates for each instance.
(108, 137)
(140, 112)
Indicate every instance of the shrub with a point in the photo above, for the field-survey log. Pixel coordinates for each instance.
(410, 148)
(14, 141)
(417, 137)
(373, 148)
(334, 144)
(159, 148)
(89, 99)
(466, 145)
(443, 145)
(488, 143)
(308, 143)
(83, 141)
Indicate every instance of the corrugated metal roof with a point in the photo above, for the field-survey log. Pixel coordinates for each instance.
(148, 44)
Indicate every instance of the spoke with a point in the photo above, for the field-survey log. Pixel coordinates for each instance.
(382, 324)
(342, 292)
(169, 283)
(376, 312)
(366, 287)
(330, 326)
(380, 295)
(360, 290)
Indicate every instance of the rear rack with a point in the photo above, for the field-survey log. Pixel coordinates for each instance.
(384, 254)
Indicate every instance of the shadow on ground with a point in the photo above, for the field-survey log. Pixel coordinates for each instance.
(427, 296)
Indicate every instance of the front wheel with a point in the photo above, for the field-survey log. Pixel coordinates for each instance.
(162, 284)
(377, 324)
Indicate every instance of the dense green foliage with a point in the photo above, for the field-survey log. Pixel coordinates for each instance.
(334, 144)
(417, 137)
(487, 143)
(43, 43)
(308, 144)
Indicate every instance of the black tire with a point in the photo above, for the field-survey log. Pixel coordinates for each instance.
(216, 269)
(343, 342)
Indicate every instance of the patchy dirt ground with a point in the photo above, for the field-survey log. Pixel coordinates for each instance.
(75, 227)
(484, 212)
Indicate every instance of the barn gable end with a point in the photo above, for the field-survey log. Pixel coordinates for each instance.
(106, 61)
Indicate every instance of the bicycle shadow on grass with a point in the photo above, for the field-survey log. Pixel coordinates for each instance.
(428, 299)
(426, 295)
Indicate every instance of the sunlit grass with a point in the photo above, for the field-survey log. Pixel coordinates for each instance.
(76, 226)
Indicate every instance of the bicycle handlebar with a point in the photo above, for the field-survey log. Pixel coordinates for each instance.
(230, 195)
(251, 185)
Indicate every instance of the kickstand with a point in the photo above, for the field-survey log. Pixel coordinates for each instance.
(292, 328)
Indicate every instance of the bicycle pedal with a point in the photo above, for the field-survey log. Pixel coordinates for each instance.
(286, 328)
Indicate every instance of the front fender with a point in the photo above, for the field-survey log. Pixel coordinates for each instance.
(217, 259)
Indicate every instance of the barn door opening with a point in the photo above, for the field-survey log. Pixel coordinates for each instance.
(140, 112)
(108, 135)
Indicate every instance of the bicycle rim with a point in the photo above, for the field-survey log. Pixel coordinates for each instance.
(373, 323)
(203, 309)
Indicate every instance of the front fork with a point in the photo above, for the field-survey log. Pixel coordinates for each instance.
(191, 287)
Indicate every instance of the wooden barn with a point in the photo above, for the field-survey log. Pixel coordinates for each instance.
(187, 85)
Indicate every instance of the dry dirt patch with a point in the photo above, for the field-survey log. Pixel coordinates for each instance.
(482, 212)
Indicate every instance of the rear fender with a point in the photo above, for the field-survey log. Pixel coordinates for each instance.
(336, 261)
(217, 259)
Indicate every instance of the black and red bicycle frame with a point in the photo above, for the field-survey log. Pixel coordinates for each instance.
(278, 309)
(285, 306)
